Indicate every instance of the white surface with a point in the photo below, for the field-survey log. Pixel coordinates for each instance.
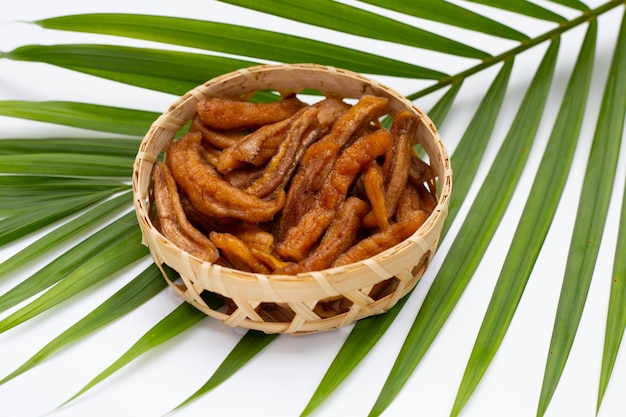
(281, 380)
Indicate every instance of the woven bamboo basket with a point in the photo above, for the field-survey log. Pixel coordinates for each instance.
(399, 267)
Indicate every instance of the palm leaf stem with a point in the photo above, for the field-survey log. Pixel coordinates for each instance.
(523, 46)
(483, 219)
(534, 223)
(592, 212)
(142, 288)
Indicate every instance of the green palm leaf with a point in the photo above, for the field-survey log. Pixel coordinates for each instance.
(67, 164)
(124, 249)
(60, 235)
(17, 200)
(363, 337)
(348, 19)
(534, 224)
(180, 319)
(252, 343)
(590, 220)
(143, 287)
(451, 14)
(77, 167)
(465, 254)
(167, 71)
(440, 110)
(82, 115)
(616, 316)
(101, 146)
(237, 40)
(524, 7)
(34, 217)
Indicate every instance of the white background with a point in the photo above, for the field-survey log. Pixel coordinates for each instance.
(281, 379)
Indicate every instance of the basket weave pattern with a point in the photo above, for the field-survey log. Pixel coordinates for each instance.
(398, 268)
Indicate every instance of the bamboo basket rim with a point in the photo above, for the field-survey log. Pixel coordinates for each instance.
(308, 287)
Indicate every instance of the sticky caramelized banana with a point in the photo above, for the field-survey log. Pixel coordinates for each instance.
(397, 163)
(263, 144)
(396, 166)
(409, 203)
(237, 253)
(256, 238)
(223, 114)
(256, 148)
(209, 193)
(303, 130)
(272, 262)
(216, 139)
(209, 153)
(205, 223)
(300, 238)
(319, 158)
(419, 171)
(374, 186)
(242, 178)
(173, 222)
(307, 126)
(381, 241)
(341, 235)
(287, 188)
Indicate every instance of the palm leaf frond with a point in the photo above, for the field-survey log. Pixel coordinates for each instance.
(171, 72)
(237, 40)
(34, 217)
(590, 221)
(124, 249)
(355, 21)
(534, 224)
(463, 257)
(616, 314)
(363, 337)
(143, 287)
(251, 344)
(67, 164)
(451, 14)
(62, 234)
(82, 115)
(179, 320)
(56, 169)
(121, 147)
